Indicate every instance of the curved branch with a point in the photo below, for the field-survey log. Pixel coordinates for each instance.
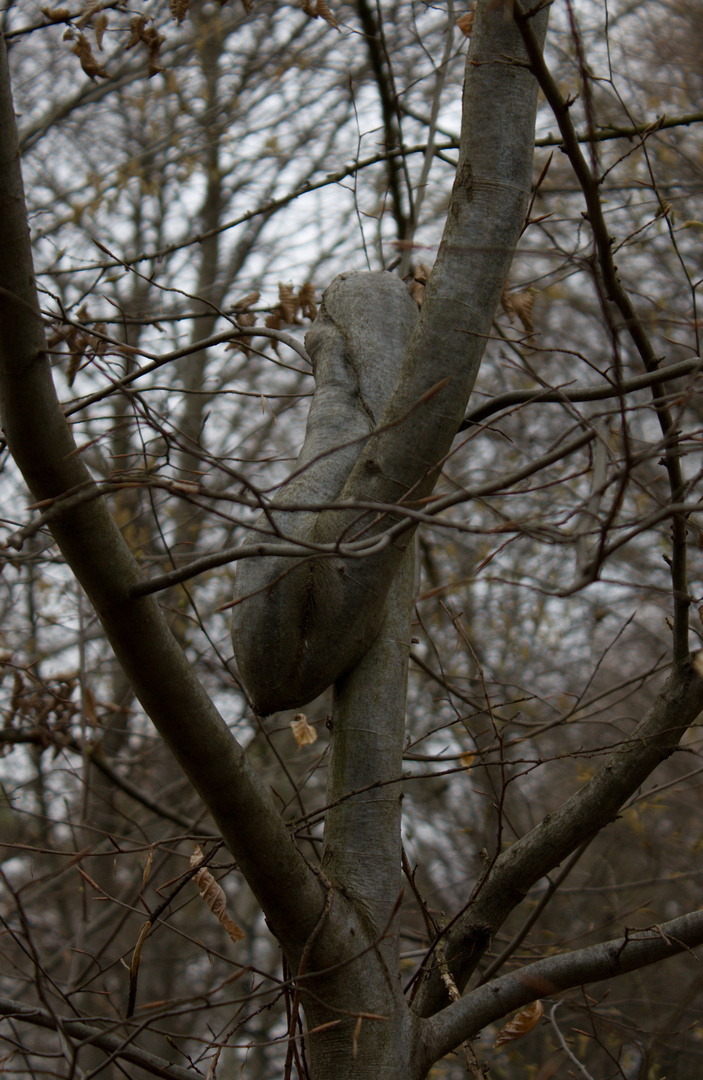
(466, 1017)
(318, 620)
(113, 1045)
(42, 445)
(580, 393)
(576, 821)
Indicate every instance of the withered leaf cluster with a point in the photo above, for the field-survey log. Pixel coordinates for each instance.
(80, 345)
(291, 308)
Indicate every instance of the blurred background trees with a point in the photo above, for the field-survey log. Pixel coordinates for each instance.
(198, 172)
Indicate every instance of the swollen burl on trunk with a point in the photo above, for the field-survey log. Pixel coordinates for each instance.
(301, 622)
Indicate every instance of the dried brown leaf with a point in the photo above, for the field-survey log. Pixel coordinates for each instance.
(242, 344)
(153, 41)
(304, 734)
(178, 9)
(77, 347)
(355, 1037)
(214, 896)
(306, 300)
(147, 866)
(99, 346)
(520, 1024)
(467, 760)
(309, 8)
(88, 11)
(288, 302)
(247, 301)
(56, 15)
(99, 27)
(466, 22)
(519, 304)
(136, 28)
(137, 954)
(89, 707)
(416, 283)
(322, 9)
(274, 320)
(417, 291)
(88, 62)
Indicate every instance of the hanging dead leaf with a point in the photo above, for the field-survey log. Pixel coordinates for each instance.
(90, 65)
(77, 345)
(247, 301)
(99, 28)
(214, 896)
(519, 304)
(98, 345)
(274, 320)
(467, 760)
(520, 1024)
(56, 15)
(417, 282)
(243, 344)
(466, 22)
(136, 26)
(147, 866)
(323, 10)
(139, 30)
(309, 8)
(304, 734)
(153, 41)
(89, 707)
(306, 300)
(288, 302)
(178, 9)
(88, 11)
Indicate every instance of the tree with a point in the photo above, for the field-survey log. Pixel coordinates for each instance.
(325, 576)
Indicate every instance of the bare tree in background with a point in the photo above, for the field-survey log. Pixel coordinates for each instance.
(500, 550)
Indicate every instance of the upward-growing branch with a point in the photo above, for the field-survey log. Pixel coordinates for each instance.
(42, 445)
(330, 608)
(615, 291)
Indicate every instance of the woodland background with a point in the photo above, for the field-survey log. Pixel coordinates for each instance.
(189, 178)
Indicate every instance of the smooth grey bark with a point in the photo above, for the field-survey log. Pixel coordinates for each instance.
(42, 445)
(578, 819)
(361, 858)
(362, 849)
(555, 974)
(348, 966)
(328, 610)
(392, 392)
(292, 612)
(91, 1035)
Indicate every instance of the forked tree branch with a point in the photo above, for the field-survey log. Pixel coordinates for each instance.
(550, 977)
(42, 445)
(577, 820)
(114, 1045)
(615, 291)
(318, 620)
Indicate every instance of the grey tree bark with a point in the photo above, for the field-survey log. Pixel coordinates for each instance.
(392, 389)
